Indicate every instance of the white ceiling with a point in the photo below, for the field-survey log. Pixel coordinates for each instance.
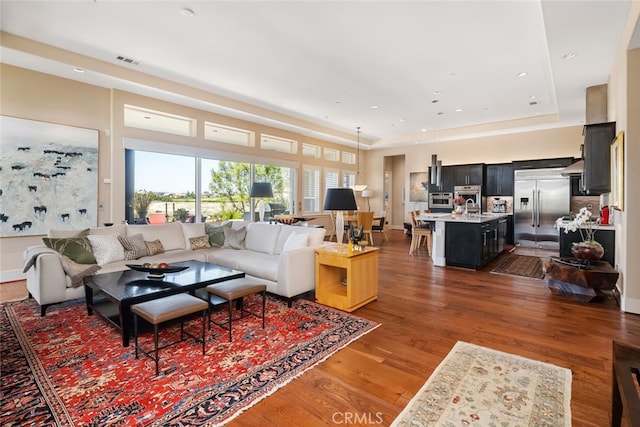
(318, 67)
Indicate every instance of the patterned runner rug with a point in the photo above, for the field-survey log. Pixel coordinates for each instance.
(520, 265)
(69, 368)
(479, 386)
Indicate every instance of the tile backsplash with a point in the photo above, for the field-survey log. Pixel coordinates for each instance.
(590, 202)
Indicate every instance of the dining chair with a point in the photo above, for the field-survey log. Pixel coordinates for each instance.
(365, 220)
(418, 231)
(380, 225)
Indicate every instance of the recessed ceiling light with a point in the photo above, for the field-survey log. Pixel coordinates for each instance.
(440, 113)
(374, 107)
(187, 12)
(147, 117)
(436, 92)
(423, 130)
(458, 110)
(434, 101)
(522, 74)
(402, 120)
(78, 70)
(532, 97)
(569, 55)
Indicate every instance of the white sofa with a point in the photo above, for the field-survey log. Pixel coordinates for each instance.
(269, 256)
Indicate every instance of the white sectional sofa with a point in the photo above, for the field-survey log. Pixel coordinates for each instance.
(269, 253)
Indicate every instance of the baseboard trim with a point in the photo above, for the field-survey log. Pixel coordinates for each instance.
(630, 305)
(12, 276)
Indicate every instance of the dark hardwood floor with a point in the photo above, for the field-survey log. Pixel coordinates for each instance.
(423, 310)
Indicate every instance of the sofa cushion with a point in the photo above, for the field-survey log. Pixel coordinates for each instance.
(65, 234)
(262, 237)
(216, 233)
(77, 271)
(200, 242)
(170, 235)
(316, 235)
(259, 264)
(119, 229)
(233, 238)
(106, 248)
(154, 247)
(191, 230)
(77, 248)
(296, 241)
(134, 246)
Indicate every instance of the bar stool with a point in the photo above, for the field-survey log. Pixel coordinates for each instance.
(234, 290)
(163, 310)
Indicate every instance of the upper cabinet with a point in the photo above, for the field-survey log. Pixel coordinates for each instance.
(596, 153)
(561, 162)
(447, 180)
(499, 180)
(469, 174)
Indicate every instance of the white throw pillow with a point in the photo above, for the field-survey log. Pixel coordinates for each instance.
(106, 248)
(296, 241)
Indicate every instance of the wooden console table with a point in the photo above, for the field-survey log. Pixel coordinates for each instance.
(625, 399)
(334, 263)
(585, 284)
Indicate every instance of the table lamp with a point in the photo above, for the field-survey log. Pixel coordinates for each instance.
(340, 199)
(366, 194)
(260, 190)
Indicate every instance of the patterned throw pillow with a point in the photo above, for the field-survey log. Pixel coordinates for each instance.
(200, 242)
(134, 246)
(155, 247)
(234, 239)
(77, 271)
(106, 248)
(77, 248)
(216, 233)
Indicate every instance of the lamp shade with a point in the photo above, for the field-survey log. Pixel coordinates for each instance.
(261, 189)
(340, 199)
(367, 193)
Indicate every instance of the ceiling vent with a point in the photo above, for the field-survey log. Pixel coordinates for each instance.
(128, 60)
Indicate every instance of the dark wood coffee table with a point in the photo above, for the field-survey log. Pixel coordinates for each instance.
(112, 294)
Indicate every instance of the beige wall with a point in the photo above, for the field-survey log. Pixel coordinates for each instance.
(36, 96)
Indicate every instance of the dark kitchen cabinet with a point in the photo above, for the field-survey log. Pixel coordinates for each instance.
(499, 180)
(471, 245)
(469, 174)
(561, 162)
(607, 238)
(447, 180)
(596, 153)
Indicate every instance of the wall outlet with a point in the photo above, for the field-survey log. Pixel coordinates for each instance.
(589, 205)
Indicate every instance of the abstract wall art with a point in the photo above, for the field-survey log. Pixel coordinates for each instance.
(48, 177)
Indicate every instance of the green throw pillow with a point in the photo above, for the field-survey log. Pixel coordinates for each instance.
(76, 248)
(216, 233)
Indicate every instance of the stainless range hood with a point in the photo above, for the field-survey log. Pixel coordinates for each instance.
(575, 169)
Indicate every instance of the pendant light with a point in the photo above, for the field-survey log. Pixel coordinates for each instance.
(358, 187)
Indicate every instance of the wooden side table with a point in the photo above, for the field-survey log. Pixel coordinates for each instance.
(334, 263)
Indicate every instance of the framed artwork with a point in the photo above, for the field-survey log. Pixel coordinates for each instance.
(617, 172)
(418, 187)
(48, 177)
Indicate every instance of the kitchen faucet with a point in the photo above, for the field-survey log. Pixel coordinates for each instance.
(466, 206)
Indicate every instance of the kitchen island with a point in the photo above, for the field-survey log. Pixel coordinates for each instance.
(466, 240)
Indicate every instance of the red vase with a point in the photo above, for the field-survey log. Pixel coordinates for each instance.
(587, 250)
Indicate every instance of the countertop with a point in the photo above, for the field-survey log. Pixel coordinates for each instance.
(473, 218)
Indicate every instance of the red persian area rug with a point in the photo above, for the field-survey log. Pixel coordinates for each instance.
(69, 369)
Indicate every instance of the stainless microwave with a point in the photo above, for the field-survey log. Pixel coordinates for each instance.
(440, 200)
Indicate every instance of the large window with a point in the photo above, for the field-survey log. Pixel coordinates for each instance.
(189, 189)
(311, 189)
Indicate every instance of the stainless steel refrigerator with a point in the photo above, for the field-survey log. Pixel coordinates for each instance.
(541, 196)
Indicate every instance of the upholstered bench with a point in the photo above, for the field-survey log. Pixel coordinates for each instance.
(163, 310)
(233, 290)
